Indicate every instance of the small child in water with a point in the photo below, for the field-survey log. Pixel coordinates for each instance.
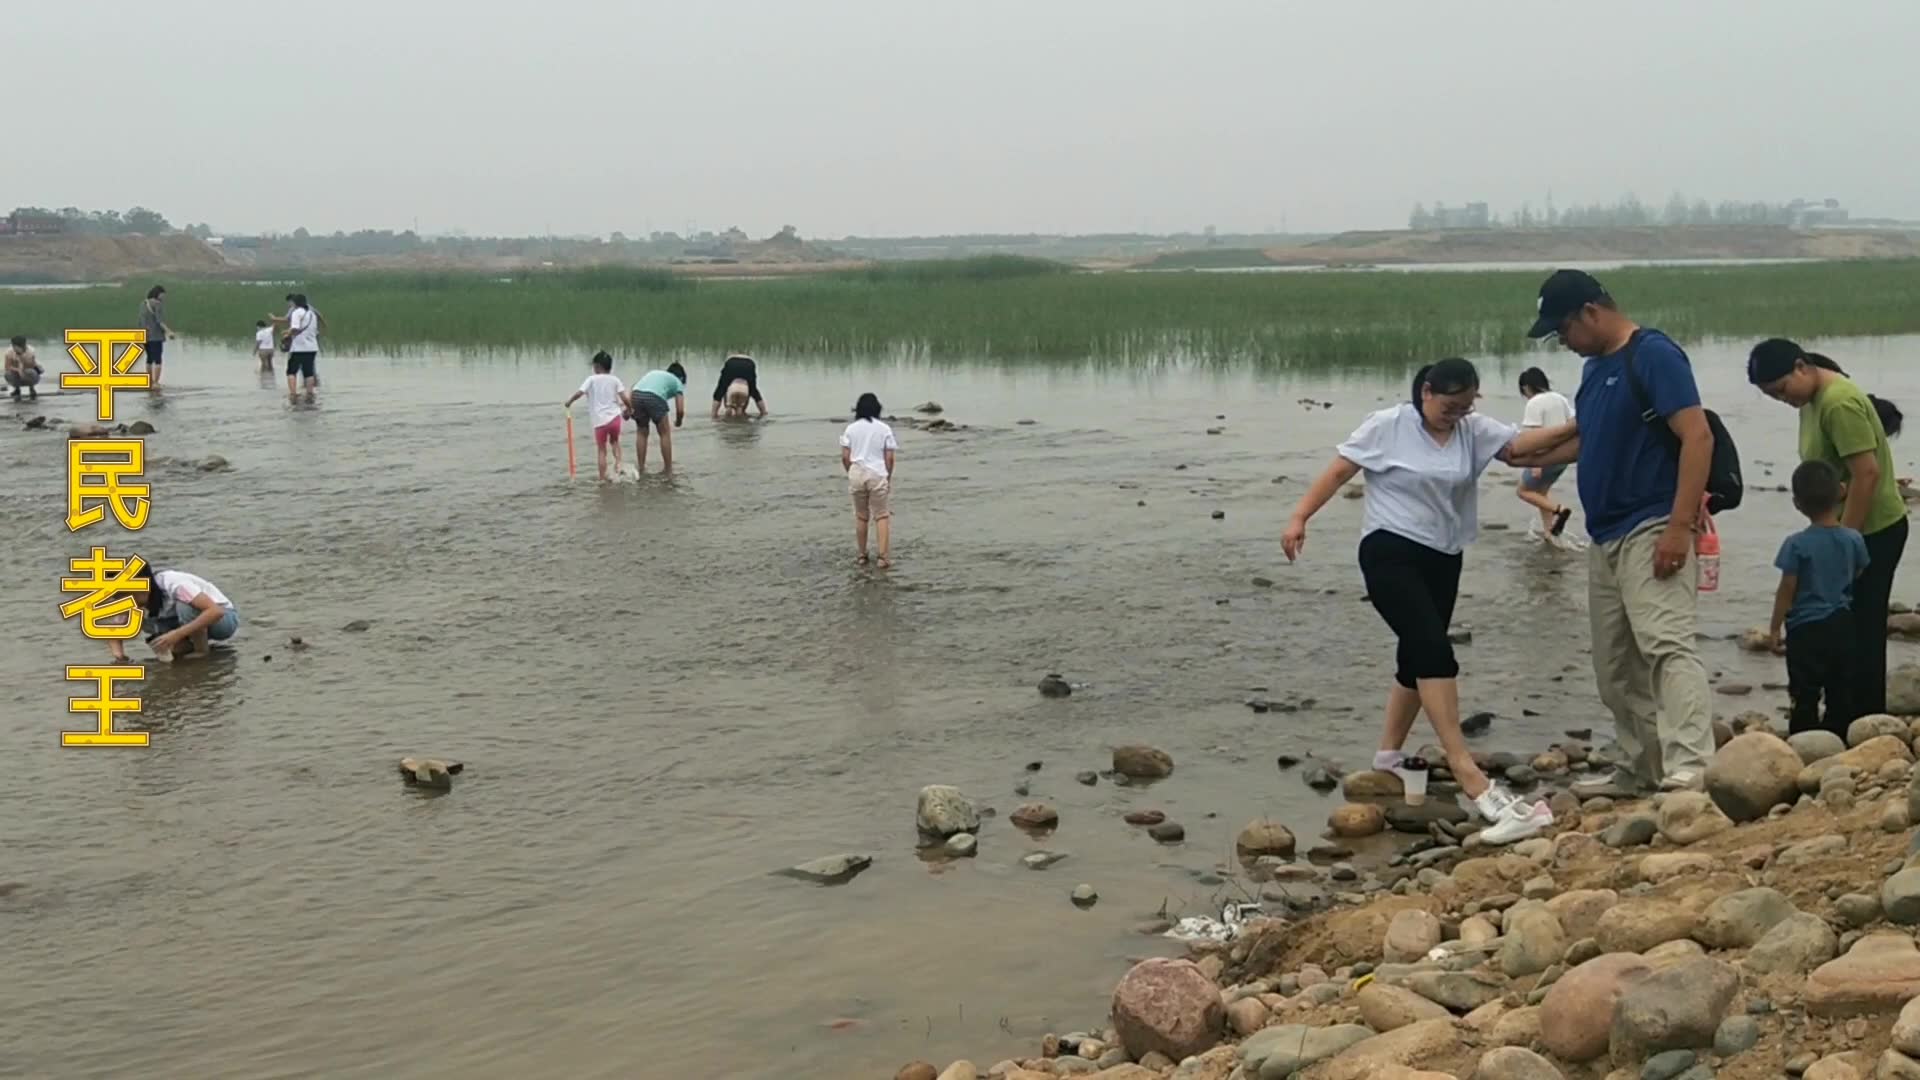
(1818, 566)
(607, 402)
(263, 344)
(867, 451)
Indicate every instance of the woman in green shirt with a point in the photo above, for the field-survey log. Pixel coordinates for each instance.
(1848, 428)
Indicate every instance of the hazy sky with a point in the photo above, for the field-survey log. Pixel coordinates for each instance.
(897, 116)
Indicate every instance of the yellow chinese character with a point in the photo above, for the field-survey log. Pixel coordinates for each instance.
(108, 464)
(106, 706)
(105, 590)
(105, 369)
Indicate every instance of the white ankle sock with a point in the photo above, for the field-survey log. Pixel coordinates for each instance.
(1387, 760)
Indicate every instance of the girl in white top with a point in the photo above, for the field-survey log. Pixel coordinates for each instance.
(263, 344)
(1546, 408)
(607, 403)
(183, 613)
(1423, 462)
(867, 451)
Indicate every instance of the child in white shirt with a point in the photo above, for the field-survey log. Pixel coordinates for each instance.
(263, 344)
(867, 450)
(607, 402)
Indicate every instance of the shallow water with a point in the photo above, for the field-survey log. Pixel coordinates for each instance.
(664, 691)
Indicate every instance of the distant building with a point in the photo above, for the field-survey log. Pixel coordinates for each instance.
(1471, 216)
(20, 223)
(1803, 212)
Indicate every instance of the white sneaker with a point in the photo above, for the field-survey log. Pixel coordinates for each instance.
(1535, 532)
(1683, 780)
(1509, 819)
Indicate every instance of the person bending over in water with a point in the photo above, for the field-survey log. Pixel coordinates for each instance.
(1546, 408)
(23, 370)
(739, 381)
(183, 613)
(867, 450)
(606, 399)
(649, 404)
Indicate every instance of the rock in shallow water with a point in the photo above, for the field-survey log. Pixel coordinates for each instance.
(962, 845)
(829, 869)
(944, 810)
(1168, 832)
(1142, 762)
(1084, 895)
(1054, 686)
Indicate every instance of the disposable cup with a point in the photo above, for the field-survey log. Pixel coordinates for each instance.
(1414, 775)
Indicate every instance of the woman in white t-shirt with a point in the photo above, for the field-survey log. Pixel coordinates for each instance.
(1423, 461)
(1546, 408)
(607, 403)
(184, 612)
(867, 451)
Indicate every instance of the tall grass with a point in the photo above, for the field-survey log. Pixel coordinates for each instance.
(1010, 310)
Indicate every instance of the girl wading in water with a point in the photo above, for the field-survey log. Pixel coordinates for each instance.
(1545, 408)
(1423, 461)
(1848, 428)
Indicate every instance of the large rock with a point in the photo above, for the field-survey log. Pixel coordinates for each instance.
(1461, 991)
(1894, 1065)
(1880, 974)
(944, 811)
(1410, 935)
(1864, 759)
(1386, 1008)
(1672, 864)
(1168, 1006)
(829, 869)
(1534, 940)
(1521, 1027)
(1355, 820)
(1676, 1007)
(1634, 830)
(1738, 920)
(1795, 946)
(1035, 815)
(1815, 745)
(1142, 762)
(1752, 774)
(1419, 820)
(1414, 1044)
(1906, 1029)
(1874, 726)
(1285, 1049)
(1499, 874)
(1515, 1063)
(1687, 817)
(1374, 784)
(1577, 1016)
(1903, 690)
(1581, 909)
(1264, 836)
(1639, 924)
(1900, 898)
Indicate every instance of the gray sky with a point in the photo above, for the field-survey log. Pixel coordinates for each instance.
(891, 117)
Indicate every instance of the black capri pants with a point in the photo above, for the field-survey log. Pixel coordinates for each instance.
(1413, 587)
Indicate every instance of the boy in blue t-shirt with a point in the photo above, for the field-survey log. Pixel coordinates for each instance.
(1818, 566)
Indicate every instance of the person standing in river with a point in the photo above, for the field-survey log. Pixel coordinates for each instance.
(1545, 408)
(1423, 461)
(651, 392)
(153, 319)
(868, 451)
(1849, 429)
(1643, 503)
(739, 382)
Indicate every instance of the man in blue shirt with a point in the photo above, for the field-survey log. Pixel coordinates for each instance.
(1643, 502)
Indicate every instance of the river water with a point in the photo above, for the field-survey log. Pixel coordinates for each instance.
(665, 691)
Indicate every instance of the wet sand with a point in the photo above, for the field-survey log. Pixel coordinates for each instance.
(663, 692)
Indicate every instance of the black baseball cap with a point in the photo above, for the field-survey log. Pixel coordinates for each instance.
(1564, 294)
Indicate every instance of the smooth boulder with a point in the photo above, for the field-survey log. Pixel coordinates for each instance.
(1880, 974)
(1410, 936)
(1795, 946)
(1675, 1007)
(1534, 940)
(1373, 784)
(1863, 760)
(1753, 774)
(1739, 919)
(1639, 924)
(1812, 746)
(1356, 820)
(1169, 1006)
(1386, 1008)
(943, 811)
(1137, 762)
(1264, 836)
(1576, 1018)
(830, 869)
(1515, 1063)
(1688, 817)
(1874, 726)
(1280, 1051)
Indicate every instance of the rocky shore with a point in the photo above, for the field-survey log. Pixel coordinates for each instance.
(1761, 928)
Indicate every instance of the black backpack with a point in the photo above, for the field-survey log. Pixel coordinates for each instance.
(1724, 483)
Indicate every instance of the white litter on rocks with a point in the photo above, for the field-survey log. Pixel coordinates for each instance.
(1220, 931)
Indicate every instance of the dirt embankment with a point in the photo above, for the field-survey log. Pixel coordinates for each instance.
(103, 258)
(1599, 245)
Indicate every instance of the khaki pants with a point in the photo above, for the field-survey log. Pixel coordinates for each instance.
(1645, 659)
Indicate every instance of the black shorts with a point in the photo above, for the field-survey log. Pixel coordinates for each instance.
(301, 363)
(649, 408)
(155, 348)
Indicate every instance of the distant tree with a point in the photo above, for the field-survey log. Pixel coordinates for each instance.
(618, 237)
(301, 233)
(787, 235)
(1419, 219)
(1678, 212)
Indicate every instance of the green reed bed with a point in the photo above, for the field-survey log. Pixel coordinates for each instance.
(1008, 309)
